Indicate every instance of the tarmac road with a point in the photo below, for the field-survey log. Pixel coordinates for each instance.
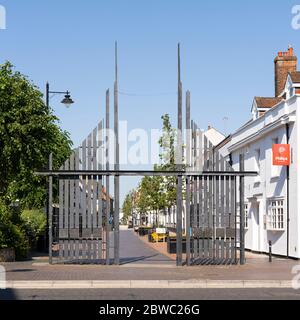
(152, 294)
(133, 250)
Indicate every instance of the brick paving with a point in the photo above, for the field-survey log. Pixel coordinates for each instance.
(149, 262)
(255, 269)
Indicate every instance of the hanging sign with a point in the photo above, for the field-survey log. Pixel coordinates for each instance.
(281, 154)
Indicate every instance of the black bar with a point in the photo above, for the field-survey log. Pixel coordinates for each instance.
(50, 209)
(70, 173)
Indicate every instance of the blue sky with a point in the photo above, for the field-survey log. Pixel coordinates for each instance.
(228, 49)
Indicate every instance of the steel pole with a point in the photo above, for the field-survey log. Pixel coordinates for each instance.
(242, 211)
(107, 179)
(179, 166)
(117, 166)
(47, 240)
(188, 185)
(50, 209)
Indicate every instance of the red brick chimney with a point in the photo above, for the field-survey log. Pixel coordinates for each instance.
(285, 62)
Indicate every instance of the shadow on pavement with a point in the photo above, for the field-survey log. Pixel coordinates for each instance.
(136, 259)
(20, 270)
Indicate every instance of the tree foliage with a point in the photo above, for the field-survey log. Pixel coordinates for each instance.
(34, 223)
(128, 205)
(12, 234)
(167, 156)
(29, 132)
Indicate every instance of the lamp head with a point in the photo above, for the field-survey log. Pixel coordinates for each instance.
(67, 101)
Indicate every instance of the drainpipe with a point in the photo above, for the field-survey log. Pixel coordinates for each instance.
(288, 195)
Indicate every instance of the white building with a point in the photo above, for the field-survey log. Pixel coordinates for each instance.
(272, 201)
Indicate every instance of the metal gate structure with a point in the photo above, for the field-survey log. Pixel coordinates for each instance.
(84, 206)
(213, 220)
(207, 186)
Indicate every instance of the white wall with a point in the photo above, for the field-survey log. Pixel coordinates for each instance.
(260, 134)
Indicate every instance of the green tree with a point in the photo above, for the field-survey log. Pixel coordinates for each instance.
(29, 132)
(167, 156)
(33, 223)
(12, 234)
(128, 205)
(151, 195)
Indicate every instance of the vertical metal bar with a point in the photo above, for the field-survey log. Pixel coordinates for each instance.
(89, 191)
(83, 198)
(72, 182)
(232, 209)
(67, 201)
(77, 193)
(107, 178)
(50, 208)
(217, 159)
(235, 219)
(61, 213)
(217, 250)
(89, 249)
(222, 209)
(117, 166)
(195, 198)
(71, 252)
(211, 201)
(95, 178)
(100, 189)
(188, 186)
(84, 248)
(242, 211)
(77, 250)
(215, 204)
(179, 166)
(199, 245)
(61, 249)
(66, 250)
(198, 185)
(206, 201)
(227, 187)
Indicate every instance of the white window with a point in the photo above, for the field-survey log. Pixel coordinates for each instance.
(246, 212)
(276, 215)
(257, 164)
(274, 169)
(246, 216)
(291, 92)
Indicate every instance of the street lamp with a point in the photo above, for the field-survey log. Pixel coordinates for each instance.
(67, 101)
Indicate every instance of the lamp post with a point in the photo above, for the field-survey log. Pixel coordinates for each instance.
(67, 101)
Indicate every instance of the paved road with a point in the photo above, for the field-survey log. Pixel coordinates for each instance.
(133, 250)
(150, 294)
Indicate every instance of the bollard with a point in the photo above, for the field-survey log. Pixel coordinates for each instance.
(270, 251)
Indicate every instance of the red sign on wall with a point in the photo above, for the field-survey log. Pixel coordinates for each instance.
(281, 154)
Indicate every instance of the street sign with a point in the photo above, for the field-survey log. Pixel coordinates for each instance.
(281, 154)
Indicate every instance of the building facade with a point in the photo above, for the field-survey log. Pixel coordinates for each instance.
(272, 201)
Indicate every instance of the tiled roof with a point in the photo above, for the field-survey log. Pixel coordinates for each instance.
(295, 76)
(264, 102)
